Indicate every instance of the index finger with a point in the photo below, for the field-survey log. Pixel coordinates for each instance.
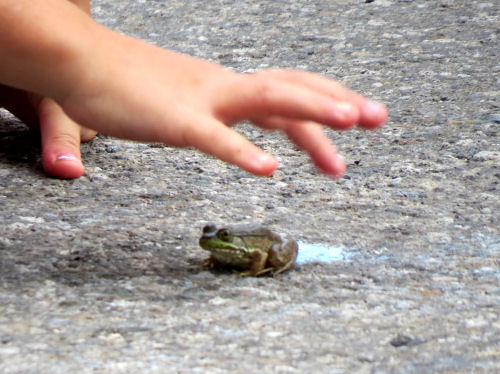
(215, 138)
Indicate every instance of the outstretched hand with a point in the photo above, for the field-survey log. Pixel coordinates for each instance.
(131, 89)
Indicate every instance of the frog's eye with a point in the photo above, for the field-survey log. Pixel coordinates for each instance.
(224, 234)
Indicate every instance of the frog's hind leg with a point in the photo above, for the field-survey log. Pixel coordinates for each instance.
(264, 272)
(275, 271)
(293, 250)
(285, 267)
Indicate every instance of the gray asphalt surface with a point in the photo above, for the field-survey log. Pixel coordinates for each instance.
(104, 275)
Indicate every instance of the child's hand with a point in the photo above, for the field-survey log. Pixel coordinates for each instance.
(101, 80)
(133, 90)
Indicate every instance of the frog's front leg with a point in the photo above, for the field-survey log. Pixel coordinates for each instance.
(259, 260)
(211, 263)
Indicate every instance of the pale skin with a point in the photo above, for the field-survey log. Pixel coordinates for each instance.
(73, 77)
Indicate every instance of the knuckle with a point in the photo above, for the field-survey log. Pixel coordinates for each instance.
(66, 139)
(264, 90)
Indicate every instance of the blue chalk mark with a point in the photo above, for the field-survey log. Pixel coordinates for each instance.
(316, 252)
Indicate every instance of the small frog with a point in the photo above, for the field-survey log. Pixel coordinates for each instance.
(254, 249)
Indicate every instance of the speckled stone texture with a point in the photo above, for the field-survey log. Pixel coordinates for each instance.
(104, 275)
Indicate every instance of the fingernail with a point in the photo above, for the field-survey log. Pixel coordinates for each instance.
(66, 157)
(338, 167)
(345, 114)
(345, 109)
(373, 108)
(341, 160)
(264, 159)
(262, 164)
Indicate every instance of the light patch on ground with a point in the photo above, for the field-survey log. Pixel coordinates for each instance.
(317, 252)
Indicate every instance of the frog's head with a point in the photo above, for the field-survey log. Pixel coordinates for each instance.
(216, 239)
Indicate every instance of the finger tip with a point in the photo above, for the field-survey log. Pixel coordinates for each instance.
(334, 166)
(345, 116)
(262, 164)
(268, 167)
(373, 115)
(339, 168)
(63, 165)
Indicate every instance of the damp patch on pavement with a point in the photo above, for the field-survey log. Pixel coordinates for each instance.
(318, 252)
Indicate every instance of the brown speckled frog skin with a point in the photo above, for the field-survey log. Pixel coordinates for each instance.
(255, 250)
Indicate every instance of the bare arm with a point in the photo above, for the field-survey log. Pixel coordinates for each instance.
(43, 45)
